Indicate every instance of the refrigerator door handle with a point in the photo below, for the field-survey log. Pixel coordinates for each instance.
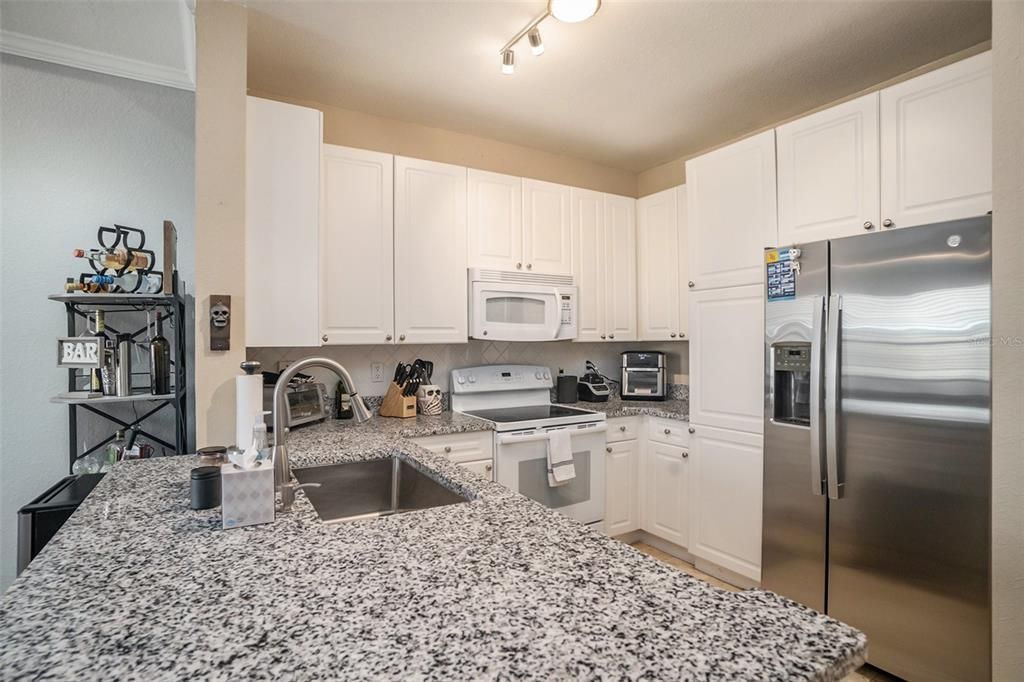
(835, 309)
(817, 451)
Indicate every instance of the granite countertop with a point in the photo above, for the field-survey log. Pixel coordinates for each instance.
(136, 585)
(617, 407)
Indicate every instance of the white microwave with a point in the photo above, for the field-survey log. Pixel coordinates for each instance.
(521, 306)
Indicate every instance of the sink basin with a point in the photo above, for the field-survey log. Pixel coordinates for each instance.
(378, 487)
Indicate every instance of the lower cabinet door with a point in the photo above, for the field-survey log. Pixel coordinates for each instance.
(484, 467)
(726, 510)
(667, 501)
(621, 513)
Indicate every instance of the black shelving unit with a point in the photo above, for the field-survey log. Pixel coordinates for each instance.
(78, 307)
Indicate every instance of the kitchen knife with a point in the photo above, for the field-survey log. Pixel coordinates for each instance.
(398, 372)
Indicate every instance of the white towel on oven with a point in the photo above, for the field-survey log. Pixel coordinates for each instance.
(561, 469)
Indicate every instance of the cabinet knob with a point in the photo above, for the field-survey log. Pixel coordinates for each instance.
(682, 335)
(692, 430)
(685, 454)
(673, 335)
(691, 284)
(519, 266)
(488, 467)
(324, 338)
(887, 223)
(611, 336)
(388, 337)
(401, 337)
(608, 448)
(603, 337)
(447, 448)
(868, 225)
(668, 431)
(622, 428)
(529, 266)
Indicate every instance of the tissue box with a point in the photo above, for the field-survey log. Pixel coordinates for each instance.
(247, 495)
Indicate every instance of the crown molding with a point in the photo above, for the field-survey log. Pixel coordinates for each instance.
(32, 47)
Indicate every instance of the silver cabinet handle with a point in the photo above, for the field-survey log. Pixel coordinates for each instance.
(835, 307)
(488, 467)
(388, 337)
(673, 335)
(691, 284)
(692, 430)
(519, 266)
(868, 225)
(602, 336)
(529, 266)
(611, 336)
(401, 337)
(608, 448)
(685, 454)
(887, 223)
(817, 453)
(622, 428)
(447, 448)
(682, 335)
(324, 338)
(668, 431)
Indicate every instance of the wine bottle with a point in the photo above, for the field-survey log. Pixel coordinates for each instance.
(95, 376)
(71, 286)
(131, 281)
(114, 259)
(159, 361)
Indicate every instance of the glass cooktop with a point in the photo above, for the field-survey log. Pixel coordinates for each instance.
(527, 413)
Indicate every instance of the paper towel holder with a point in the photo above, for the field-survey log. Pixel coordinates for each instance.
(250, 367)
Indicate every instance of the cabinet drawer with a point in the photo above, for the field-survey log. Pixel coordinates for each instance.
(668, 431)
(623, 428)
(460, 447)
(484, 467)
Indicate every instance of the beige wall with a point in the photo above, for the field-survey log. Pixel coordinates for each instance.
(220, 209)
(365, 131)
(1008, 333)
(673, 172)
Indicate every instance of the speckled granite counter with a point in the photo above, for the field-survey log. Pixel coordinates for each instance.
(617, 407)
(137, 586)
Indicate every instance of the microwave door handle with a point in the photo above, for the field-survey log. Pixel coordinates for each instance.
(817, 442)
(557, 316)
(835, 311)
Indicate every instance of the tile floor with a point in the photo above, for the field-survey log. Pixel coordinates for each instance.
(866, 673)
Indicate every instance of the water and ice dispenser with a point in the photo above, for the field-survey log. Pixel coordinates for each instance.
(791, 381)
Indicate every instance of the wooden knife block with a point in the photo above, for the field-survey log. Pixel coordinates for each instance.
(397, 405)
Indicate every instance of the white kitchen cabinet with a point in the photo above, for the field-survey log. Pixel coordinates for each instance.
(668, 431)
(936, 152)
(604, 265)
(725, 528)
(658, 267)
(667, 493)
(547, 228)
(732, 212)
(430, 252)
(828, 173)
(357, 268)
(282, 207)
(619, 272)
(473, 450)
(727, 358)
(483, 467)
(495, 220)
(621, 513)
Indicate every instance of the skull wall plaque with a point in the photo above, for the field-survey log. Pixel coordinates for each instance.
(220, 322)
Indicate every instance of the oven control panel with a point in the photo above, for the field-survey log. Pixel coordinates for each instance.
(500, 378)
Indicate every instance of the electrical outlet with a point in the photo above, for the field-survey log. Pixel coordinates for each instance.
(377, 372)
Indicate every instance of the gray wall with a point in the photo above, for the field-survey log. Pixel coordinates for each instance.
(78, 149)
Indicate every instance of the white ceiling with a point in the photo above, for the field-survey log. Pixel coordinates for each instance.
(149, 40)
(641, 83)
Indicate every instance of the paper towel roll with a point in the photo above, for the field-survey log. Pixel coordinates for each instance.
(248, 406)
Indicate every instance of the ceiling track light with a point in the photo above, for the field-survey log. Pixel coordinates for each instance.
(569, 11)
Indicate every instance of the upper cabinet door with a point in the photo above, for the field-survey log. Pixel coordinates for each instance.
(619, 272)
(588, 235)
(658, 267)
(282, 207)
(495, 220)
(828, 173)
(682, 233)
(727, 358)
(547, 228)
(430, 252)
(357, 247)
(732, 216)
(937, 145)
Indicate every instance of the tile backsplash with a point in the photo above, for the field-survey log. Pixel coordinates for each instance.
(554, 354)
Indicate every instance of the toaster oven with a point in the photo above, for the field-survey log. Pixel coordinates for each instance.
(306, 403)
(643, 375)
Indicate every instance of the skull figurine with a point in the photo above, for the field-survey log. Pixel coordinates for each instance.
(220, 314)
(428, 399)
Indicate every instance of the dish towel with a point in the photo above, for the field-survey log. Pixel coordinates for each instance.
(561, 469)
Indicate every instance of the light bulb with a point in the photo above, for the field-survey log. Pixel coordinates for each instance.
(536, 44)
(572, 11)
(508, 62)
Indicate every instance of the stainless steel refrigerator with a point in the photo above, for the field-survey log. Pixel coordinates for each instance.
(878, 439)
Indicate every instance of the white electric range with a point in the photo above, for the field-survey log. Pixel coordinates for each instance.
(517, 400)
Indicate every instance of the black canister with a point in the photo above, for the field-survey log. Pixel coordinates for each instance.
(566, 388)
(205, 487)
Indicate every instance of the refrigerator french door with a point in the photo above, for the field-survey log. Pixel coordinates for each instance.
(878, 439)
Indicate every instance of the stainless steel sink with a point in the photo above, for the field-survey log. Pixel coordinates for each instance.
(379, 487)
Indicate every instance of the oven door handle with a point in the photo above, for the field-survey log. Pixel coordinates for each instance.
(512, 439)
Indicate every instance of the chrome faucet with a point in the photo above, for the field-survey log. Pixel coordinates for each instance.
(282, 467)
